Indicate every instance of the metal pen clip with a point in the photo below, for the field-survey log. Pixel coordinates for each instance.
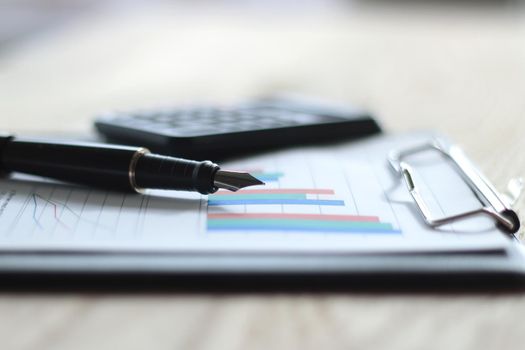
(494, 204)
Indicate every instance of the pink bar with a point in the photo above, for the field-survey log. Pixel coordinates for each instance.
(295, 216)
(278, 191)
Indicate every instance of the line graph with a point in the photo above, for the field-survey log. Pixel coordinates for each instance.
(47, 211)
(34, 198)
(58, 208)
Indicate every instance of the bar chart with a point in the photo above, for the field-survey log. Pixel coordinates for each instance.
(240, 218)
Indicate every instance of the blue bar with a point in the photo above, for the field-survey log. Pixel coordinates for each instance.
(305, 229)
(268, 177)
(213, 202)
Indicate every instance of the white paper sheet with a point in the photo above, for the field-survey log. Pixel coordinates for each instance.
(342, 199)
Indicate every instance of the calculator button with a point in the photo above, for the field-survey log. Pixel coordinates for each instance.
(184, 117)
(277, 124)
(222, 113)
(272, 113)
(136, 123)
(250, 124)
(206, 131)
(155, 126)
(303, 118)
(164, 118)
(175, 123)
(177, 132)
(247, 116)
(121, 120)
(233, 128)
(140, 116)
(227, 119)
(200, 116)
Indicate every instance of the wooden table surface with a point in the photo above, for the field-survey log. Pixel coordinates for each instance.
(461, 72)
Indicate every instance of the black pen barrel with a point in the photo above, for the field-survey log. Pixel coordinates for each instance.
(163, 172)
(113, 167)
(97, 165)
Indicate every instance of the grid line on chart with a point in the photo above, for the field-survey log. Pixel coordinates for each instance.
(385, 194)
(43, 209)
(117, 221)
(101, 209)
(21, 211)
(79, 216)
(58, 219)
(349, 186)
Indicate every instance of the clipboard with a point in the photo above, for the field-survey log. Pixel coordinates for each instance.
(485, 269)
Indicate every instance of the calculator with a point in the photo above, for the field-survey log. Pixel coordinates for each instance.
(219, 132)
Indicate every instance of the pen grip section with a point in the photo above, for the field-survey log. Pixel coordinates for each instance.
(163, 172)
(91, 164)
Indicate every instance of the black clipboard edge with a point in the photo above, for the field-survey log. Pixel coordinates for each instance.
(498, 270)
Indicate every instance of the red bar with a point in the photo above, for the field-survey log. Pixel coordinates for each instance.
(329, 217)
(279, 191)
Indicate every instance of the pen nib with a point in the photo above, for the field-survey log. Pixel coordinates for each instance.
(234, 180)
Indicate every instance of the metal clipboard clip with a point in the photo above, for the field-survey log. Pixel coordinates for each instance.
(496, 205)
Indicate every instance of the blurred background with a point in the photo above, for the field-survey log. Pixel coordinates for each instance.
(451, 65)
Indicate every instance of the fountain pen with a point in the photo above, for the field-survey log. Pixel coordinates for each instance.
(115, 167)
